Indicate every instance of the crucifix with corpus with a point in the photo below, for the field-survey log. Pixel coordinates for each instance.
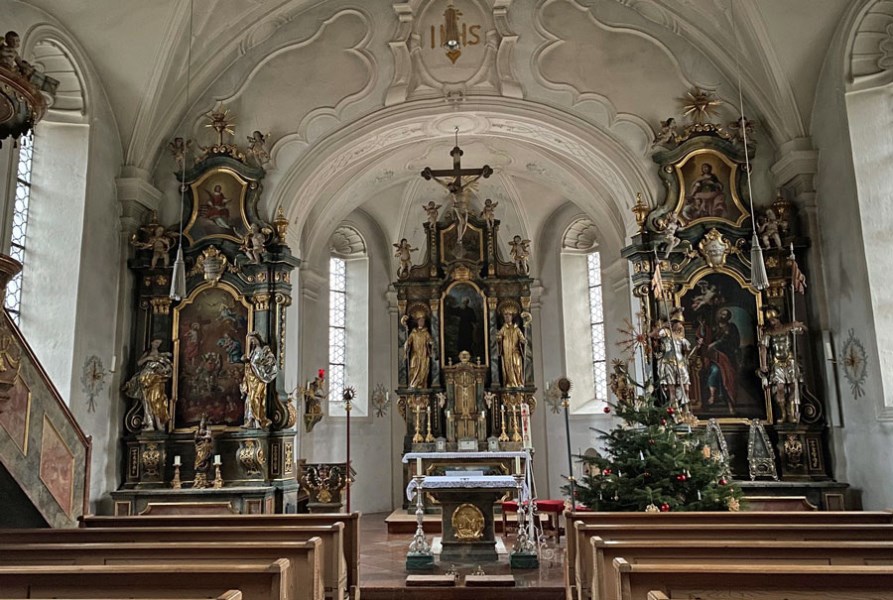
(457, 180)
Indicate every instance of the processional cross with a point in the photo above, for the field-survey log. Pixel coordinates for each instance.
(457, 180)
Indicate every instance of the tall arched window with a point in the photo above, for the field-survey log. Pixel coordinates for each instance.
(19, 224)
(583, 309)
(348, 319)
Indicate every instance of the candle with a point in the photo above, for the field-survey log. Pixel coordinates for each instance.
(217, 460)
(518, 465)
(641, 456)
(418, 465)
(114, 363)
(177, 461)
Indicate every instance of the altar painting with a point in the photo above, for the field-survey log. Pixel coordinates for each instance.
(218, 207)
(464, 324)
(708, 189)
(471, 248)
(211, 328)
(722, 317)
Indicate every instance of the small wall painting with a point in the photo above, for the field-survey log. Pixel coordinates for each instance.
(56, 466)
(218, 208)
(708, 189)
(722, 318)
(210, 342)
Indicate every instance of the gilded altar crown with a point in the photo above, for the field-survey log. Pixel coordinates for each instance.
(509, 306)
(418, 311)
(771, 312)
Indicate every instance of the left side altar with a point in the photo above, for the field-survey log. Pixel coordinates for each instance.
(209, 425)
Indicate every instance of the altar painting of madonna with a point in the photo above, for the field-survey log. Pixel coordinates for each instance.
(707, 188)
(721, 324)
(210, 344)
(464, 323)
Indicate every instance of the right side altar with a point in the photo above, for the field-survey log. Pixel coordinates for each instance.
(465, 368)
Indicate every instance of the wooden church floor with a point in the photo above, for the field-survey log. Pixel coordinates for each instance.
(383, 573)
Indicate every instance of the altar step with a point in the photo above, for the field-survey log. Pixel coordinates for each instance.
(462, 593)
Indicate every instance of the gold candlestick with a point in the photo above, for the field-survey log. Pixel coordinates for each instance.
(218, 480)
(175, 482)
(503, 436)
(429, 437)
(516, 437)
(417, 438)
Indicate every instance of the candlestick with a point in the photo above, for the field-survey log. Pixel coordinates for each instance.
(417, 438)
(503, 437)
(218, 480)
(516, 436)
(217, 460)
(176, 483)
(177, 462)
(429, 438)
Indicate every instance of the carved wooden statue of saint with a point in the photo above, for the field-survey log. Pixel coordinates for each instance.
(260, 369)
(148, 386)
(512, 343)
(418, 351)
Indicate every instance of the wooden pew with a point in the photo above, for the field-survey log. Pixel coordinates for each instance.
(766, 582)
(332, 535)
(699, 552)
(227, 595)
(304, 581)
(351, 523)
(733, 529)
(782, 517)
(145, 581)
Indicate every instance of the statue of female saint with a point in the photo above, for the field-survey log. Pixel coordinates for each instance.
(155, 369)
(512, 343)
(204, 442)
(260, 369)
(417, 351)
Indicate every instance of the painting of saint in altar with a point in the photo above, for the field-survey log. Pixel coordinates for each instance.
(464, 323)
(211, 338)
(218, 207)
(707, 188)
(721, 324)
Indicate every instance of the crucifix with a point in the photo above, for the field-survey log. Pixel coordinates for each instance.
(456, 181)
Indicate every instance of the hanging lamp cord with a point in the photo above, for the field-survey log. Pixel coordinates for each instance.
(742, 124)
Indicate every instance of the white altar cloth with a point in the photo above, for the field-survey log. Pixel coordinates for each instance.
(414, 455)
(497, 482)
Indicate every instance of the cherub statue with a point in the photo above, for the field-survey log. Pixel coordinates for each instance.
(667, 134)
(158, 240)
(740, 127)
(670, 223)
(148, 386)
(770, 227)
(179, 147)
(257, 147)
(9, 55)
(254, 242)
(520, 254)
(432, 210)
(779, 371)
(488, 213)
(404, 254)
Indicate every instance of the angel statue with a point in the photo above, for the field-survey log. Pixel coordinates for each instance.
(404, 254)
(432, 210)
(488, 213)
(740, 128)
(261, 369)
(667, 134)
(257, 147)
(254, 242)
(779, 371)
(314, 395)
(179, 147)
(520, 254)
(671, 223)
(770, 227)
(148, 386)
(158, 240)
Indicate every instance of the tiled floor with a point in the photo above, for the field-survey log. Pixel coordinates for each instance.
(383, 556)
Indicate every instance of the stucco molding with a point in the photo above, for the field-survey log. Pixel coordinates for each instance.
(869, 60)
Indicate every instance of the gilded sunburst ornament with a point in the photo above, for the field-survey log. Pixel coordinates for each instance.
(220, 121)
(699, 105)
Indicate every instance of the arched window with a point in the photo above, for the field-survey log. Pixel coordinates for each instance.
(348, 319)
(19, 224)
(583, 309)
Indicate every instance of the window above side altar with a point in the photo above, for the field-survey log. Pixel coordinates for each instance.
(348, 320)
(585, 356)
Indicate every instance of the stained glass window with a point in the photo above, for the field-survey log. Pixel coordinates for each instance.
(20, 225)
(597, 326)
(337, 335)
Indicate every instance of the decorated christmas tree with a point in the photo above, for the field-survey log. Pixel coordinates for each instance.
(654, 460)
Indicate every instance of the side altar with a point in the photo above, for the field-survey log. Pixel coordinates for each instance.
(208, 419)
(465, 372)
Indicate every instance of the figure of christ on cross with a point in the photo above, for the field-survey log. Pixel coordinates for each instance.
(456, 181)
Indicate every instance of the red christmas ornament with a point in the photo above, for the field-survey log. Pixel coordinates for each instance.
(671, 410)
(607, 409)
(664, 507)
(607, 472)
(723, 481)
(680, 477)
(651, 442)
(321, 373)
(663, 421)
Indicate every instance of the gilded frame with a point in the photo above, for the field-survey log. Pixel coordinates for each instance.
(758, 307)
(732, 185)
(175, 337)
(195, 189)
(486, 323)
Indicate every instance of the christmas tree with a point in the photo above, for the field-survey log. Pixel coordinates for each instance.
(654, 460)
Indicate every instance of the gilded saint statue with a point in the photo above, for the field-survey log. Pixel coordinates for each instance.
(148, 386)
(260, 369)
(418, 351)
(204, 443)
(779, 371)
(512, 344)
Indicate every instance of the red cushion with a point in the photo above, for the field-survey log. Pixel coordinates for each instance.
(550, 505)
(509, 506)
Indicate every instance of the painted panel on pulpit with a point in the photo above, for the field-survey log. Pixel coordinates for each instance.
(464, 324)
(722, 316)
(218, 207)
(211, 327)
